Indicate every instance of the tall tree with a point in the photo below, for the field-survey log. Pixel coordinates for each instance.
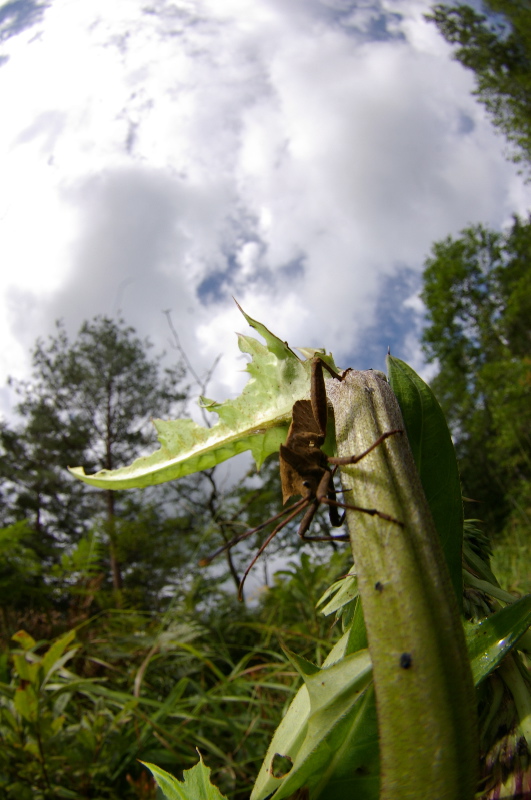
(497, 48)
(477, 291)
(89, 402)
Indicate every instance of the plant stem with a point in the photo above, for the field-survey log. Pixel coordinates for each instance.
(424, 691)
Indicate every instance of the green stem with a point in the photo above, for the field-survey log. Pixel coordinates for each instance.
(423, 682)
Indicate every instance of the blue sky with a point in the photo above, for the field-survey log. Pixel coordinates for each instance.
(301, 156)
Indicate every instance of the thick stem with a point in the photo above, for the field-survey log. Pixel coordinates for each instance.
(424, 691)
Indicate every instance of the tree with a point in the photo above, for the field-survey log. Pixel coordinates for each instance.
(477, 291)
(89, 400)
(407, 559)
(497, 48)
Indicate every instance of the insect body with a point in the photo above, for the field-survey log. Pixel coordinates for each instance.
(306, 470)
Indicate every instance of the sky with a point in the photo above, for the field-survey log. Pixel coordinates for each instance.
(299, 155)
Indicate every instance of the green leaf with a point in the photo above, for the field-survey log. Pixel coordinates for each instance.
(55, 657)
(491, 639)
(336, 742)
(26, 703)
(340, 594)
(24, 640)
(257, 420)
(434, 455)
(422, 676)
(195, 786)
(292, 733)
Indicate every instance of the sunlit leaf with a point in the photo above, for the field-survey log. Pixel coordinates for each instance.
(490, 640)
(257, 420)
(292, 733)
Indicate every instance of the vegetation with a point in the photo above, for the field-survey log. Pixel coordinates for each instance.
(117, 648)
(184, 667)
(403, 577)
(497, 47)
(477, 292)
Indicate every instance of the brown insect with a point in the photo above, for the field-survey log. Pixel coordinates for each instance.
(305, 470)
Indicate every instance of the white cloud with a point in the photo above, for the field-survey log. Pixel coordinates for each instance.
(174, 155)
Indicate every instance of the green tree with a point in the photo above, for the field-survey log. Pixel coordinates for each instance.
(497, 48)
(477, 291)
(92, 397)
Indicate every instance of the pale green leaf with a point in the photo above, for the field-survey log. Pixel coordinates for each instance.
(335, 737)
(292, 732)
(257, 420)
(338, 595)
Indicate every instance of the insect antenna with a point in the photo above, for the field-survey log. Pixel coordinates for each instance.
(298, 507)
(295, 507)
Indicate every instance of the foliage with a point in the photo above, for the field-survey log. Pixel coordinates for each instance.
(255, 421)
(510, 560)
(317, 759)
(195, 786)
(90, 399)
(497, 48)
(20, 569)
(76, 714)
(477, 291)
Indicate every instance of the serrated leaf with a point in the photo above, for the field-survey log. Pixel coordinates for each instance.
(257, 420)
(195, 786)
(435, 459)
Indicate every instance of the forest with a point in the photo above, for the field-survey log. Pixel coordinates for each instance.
(117, 647)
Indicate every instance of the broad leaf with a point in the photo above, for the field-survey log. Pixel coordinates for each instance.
(336, 741)
(291, 736)
(490, 640)
(257, 420)
(434, 455)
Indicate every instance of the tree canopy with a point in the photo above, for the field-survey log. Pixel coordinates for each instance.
(91, 398)
(477, 291)
(497, 47)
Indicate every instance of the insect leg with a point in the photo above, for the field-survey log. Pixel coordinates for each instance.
(318, 392)
(295, 507)
(324, 489)
(299, 506)
(354, 459)
(372, 511)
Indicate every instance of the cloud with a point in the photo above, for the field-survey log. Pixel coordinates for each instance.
(300, 156)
